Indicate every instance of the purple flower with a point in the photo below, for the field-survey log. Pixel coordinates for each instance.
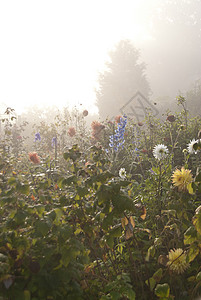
(37, 137)
(54, 141)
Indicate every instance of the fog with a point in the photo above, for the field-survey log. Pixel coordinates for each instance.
(52, 53)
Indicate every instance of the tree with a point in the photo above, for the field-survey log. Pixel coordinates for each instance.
(124, 76)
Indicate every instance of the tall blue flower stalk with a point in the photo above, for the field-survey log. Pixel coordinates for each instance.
(117, 139)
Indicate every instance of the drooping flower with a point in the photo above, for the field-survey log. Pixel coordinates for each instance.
(190, 148)
(122, 173)
(37, 137)
(182, 179)
(54, 141)
(140, 124)
(118, 118)
(71, 131)
(171, 118)
(85, 113)
(34, 158)
(177, 261)
(97, 127)
(160, 151)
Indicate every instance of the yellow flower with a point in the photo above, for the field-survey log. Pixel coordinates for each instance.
(182, 179)
(177, 261)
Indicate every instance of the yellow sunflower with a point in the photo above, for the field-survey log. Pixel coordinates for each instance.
(177, 261)
(182, 179)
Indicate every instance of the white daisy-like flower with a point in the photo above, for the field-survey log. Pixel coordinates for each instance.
(122, 173)
(160, 151)
(190, 148)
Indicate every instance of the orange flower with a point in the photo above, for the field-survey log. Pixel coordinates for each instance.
(33, 156)
(71, 131)
(118, 119)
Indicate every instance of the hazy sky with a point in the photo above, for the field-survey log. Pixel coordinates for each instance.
(51, 51)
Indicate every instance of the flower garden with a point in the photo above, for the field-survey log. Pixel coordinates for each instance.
(107, 212)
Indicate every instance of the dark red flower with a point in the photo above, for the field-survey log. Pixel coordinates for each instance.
(171, 118)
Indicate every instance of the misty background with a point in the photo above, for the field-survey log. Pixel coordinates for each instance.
(62, 54)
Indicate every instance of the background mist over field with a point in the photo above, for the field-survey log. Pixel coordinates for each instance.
(53, 52)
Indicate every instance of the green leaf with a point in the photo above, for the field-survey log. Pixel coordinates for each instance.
(192, 253)
(130, 294)
(162, 290)
(190, 235)
(198, 277)
(151, 252)
(158, 275)
(115, 231)
(23, 188)
(20, 216)
(151, 282)
(82, 191)
(110, 241)
(27, 295)
(42, 227)
(115, 295)
(12, 181)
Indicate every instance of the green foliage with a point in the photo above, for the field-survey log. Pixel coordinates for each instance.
(72, 228)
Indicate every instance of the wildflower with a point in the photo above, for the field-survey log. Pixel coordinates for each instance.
(122, 173)
(54, 141)
(71, 131)
(182, 179)
(118, 119)
(85, 113)
(160, 151)
(37, 137)
(177, 261)
(190, 148)
(171, 118)
(140, 124)
(144, 151)
(96, 129)
(117, 139)
(33, 156)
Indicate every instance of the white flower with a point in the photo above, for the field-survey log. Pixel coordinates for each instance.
(122, 173)
(190, 148)
(160, 151)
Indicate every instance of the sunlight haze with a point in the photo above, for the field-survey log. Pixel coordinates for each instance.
(51, 51)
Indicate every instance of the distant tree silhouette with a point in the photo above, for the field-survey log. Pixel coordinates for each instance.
(124, 76)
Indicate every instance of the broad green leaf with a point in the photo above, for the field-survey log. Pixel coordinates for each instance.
(42, 227)
(116, 231)
(162, 290)
(151, 282)
(192, 252)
